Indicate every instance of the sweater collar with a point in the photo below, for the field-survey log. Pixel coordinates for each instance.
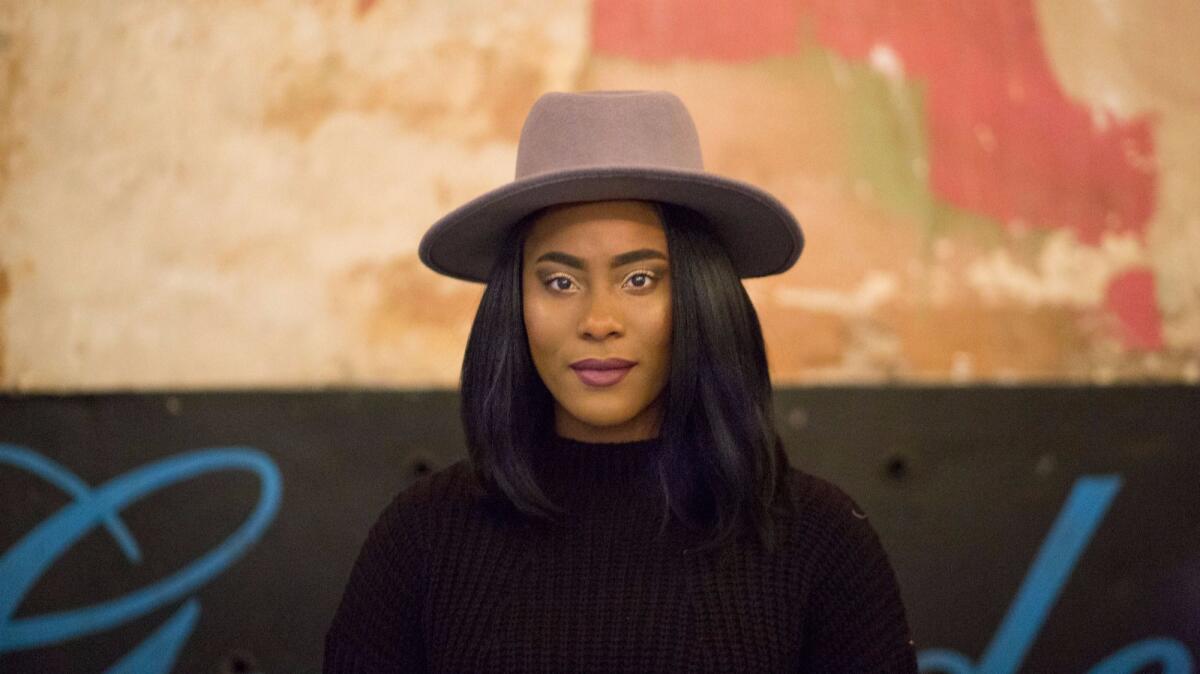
(578, 464)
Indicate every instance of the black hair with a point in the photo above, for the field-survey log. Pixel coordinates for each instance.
(722, 465)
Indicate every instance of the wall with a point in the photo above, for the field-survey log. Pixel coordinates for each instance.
(1032, 529)
(208, 209)
(230, 194)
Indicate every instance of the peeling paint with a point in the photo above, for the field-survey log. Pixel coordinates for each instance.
(1036, 156)
(1066, 272)
(1005, 194)
(872, 292)
(1140, 60)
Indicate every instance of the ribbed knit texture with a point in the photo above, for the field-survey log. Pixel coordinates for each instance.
(442, 586)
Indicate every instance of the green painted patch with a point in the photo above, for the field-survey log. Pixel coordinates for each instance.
(889, 153)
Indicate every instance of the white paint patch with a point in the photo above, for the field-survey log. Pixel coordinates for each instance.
(886, 61)
(875, 289)
(1067, 272)
(962, 367)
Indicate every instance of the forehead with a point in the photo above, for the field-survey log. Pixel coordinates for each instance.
(597, 228)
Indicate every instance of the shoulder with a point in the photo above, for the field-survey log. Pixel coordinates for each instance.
(819, 500)
(855, 620)
(434, 496)
(408, 527)
(828, 524)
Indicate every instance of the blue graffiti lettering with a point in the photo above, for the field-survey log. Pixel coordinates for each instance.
(23, 564)
(1076, 523)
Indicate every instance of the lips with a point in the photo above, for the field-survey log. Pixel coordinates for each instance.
(606, 364)
(606, 372)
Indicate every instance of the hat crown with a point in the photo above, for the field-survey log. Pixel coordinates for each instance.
(593, 129)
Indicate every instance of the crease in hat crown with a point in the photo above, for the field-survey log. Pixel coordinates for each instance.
(596, 129)
(602, 145)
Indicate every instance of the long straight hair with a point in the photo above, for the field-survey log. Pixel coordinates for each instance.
(722, 464)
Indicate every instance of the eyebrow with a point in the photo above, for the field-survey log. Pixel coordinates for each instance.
(617, 261)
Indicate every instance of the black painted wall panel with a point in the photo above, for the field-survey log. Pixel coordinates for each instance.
(963, 484)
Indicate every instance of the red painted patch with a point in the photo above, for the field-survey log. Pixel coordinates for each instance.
(724, 30)
(1004, 140)
(1130, 297)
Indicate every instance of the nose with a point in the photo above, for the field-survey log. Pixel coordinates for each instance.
(602, 316)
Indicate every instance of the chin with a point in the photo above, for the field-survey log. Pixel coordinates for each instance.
(603, 418)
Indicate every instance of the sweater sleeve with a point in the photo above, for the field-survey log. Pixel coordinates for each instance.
(376, 628)
(856, 620)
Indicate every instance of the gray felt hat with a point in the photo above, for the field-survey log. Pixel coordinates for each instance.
(602, 145)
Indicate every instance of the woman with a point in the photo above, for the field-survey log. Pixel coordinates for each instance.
(626, 504)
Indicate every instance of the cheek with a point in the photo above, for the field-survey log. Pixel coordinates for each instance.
(657, 327)
(539, 328)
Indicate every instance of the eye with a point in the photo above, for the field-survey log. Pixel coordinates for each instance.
(559, 283)
(641, 279)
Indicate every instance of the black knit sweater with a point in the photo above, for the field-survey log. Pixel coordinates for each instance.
(442, 586)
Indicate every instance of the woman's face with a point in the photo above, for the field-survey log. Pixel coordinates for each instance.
(596, 287)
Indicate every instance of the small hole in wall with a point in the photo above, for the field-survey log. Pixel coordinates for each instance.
(419, 466)
(239, 662)
(896, 467)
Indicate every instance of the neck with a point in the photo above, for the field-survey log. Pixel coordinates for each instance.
(643, 426)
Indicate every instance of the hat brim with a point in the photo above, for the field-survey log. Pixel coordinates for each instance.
(760, 234)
